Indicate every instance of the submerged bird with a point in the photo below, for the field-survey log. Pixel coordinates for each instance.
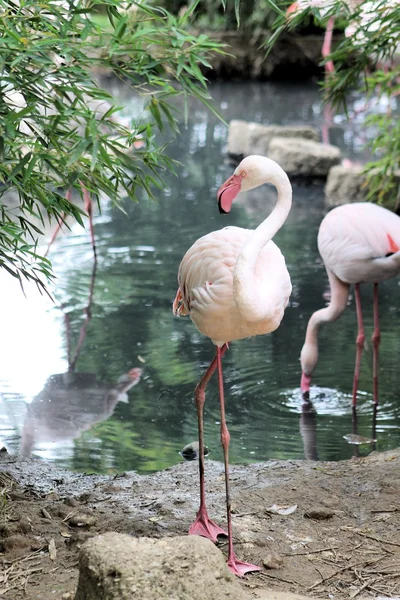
(234, 284)
(359, 243)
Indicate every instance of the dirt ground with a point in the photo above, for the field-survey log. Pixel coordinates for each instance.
(339, 540)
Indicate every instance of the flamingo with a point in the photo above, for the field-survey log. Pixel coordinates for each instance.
(233, 283)
(359, 243)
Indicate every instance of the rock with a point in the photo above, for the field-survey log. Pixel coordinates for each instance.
(345, 184)
(70, 501)
(292, 56)
(246, 138)
(191, 451)
(319, 514)
(349, 184)
(303, 157)
(272, 561)
(82, 520)
(119, 567)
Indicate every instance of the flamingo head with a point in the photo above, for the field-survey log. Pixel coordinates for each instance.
(305, 383)
(135, 374)
(308, 361)
(252, 172)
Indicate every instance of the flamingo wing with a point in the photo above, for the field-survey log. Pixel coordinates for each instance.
(206, 286)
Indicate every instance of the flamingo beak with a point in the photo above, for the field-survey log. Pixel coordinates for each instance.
(228, 192)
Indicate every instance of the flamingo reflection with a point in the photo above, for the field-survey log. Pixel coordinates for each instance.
(308, 430)
(72, 402)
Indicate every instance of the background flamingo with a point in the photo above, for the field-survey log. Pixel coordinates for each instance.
(359, 243)
(324, 6)
(234, 284)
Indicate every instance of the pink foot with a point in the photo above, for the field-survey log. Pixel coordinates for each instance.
(239, 568)
(206, 528)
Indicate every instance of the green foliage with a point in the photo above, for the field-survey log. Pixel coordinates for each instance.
(248, 15)
(364, 60)
(59, 129)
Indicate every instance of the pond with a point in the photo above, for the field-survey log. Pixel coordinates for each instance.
(118, 318)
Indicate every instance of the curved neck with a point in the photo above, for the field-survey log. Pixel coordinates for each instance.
(247, 292)
(339, 297)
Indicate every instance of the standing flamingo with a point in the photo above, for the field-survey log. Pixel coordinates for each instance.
(234, 284)
(359, 243)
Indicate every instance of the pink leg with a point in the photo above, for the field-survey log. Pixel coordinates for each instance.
(329, 68)
(236, 566)
(59, 224)
(327, 45)
(203, 525)
(376, 338)
(89, 209)
(359, 342)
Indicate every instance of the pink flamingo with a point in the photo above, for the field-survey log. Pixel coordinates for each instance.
(234, 284)
(359, 243)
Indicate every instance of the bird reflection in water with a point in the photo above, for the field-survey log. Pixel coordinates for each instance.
(357, 440)
(71, 402)
(308, 429)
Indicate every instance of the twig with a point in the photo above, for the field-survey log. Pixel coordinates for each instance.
(345, 568)
(371, 537)
(387, 510)
(146, 504)
(367, 584)
(311, 551)
(108, 498)
(278, 578)
(28, 556)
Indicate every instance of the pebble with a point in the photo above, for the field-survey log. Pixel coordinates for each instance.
(272, 561)
(82, 520)
(319, 514)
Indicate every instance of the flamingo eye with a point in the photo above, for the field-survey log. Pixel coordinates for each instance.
(243, 174)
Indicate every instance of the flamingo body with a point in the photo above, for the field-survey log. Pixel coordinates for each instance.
(358, 243)
(206, 286)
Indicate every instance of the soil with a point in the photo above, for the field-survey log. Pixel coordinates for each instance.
(334, 532)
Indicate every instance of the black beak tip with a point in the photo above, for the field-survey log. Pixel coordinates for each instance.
(221, 210)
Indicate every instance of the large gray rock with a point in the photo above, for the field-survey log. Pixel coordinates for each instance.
(349, 184)
(302, 157)
(116, 566)
(246, 138)
(345, 184)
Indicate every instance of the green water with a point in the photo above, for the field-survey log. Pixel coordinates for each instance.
(80, 422)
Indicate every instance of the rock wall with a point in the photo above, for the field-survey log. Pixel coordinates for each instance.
(292, 57)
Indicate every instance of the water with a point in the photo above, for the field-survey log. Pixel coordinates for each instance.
(90, 420)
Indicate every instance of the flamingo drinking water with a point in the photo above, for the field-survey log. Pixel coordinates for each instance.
(234, 284)
(359, 243)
